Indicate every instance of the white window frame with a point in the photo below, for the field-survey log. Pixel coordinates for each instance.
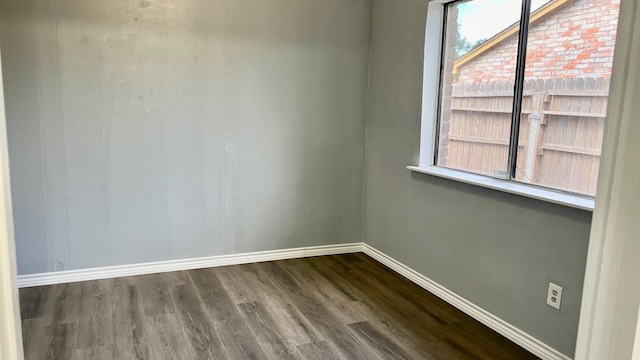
(430, 97)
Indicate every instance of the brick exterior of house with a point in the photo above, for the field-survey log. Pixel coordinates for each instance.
(576, 40)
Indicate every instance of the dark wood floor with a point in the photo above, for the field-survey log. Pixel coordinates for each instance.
(330, 307)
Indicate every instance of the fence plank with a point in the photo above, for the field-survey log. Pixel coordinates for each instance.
(565, 117)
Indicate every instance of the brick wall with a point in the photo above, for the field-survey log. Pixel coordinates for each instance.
(445, 115)
(577, 40)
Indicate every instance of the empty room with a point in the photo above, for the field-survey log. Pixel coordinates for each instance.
(319, 179)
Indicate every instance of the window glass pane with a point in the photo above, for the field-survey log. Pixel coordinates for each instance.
(479, 61)
(568, 68)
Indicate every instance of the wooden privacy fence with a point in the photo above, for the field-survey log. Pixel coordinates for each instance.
(561, 131)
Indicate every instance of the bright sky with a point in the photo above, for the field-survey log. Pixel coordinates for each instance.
(484, 18)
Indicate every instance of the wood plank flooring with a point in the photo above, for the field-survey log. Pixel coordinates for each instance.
(329, 307)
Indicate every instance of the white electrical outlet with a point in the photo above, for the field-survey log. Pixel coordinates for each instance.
(554, 296)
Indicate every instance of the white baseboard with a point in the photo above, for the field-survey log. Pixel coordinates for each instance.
(69, 276)
(507, 330)
(500, 326)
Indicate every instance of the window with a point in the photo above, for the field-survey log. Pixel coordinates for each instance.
(521, 91)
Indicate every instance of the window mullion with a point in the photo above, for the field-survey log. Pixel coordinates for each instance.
(440, 82)
(518, 88)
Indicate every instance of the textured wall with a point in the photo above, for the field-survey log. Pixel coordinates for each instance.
(152, 130)
(495, 249)
(146, 130)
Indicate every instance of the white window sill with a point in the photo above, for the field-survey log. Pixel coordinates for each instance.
(512, 187)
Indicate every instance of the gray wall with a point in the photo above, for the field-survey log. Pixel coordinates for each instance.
(495, 249)
(146, 130)
(151, 130)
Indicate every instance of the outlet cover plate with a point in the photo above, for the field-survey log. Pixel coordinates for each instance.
(554, 296)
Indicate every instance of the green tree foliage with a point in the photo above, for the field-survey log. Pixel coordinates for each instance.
(463, 45)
